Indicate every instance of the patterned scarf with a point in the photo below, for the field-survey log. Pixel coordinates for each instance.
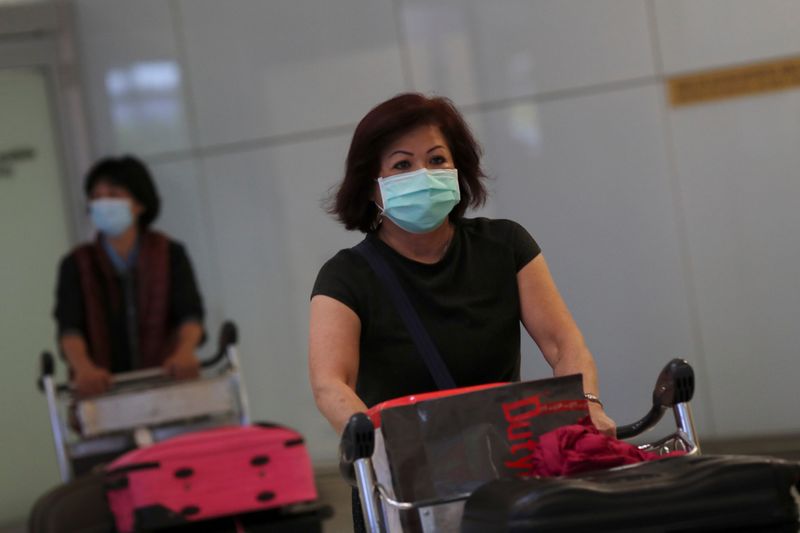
(102, 297)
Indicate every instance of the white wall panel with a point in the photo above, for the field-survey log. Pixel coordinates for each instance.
(274, 68)
(475, 122)
(273, 236)
(589, 178)
(588, 175)
(134, 82)
(696, 34)
(184, 217)
(737, 163)
(474, 51)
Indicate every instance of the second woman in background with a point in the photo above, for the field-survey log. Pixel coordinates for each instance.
(129, 299)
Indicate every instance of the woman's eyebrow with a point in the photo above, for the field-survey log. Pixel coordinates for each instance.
(405, 152)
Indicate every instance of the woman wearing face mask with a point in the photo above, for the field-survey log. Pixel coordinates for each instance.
(412, 170)
(129, 299)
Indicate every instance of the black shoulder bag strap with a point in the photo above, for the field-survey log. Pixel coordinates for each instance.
(423, 342)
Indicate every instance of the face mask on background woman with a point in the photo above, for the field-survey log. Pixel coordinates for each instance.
(421, 200)
(111, 216)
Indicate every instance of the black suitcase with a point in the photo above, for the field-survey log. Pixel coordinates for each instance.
(305, 519)
(80, 506)
(75, 507)
(698, 493)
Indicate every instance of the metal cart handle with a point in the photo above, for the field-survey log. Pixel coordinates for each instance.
(675, 386)
(228, 336)
(355, 464)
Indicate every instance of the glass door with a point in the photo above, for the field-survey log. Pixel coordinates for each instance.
(33, 235)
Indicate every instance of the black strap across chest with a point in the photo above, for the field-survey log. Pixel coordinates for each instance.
(422, 340)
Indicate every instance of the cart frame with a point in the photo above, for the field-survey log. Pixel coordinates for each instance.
(673, 390)
(222, 371)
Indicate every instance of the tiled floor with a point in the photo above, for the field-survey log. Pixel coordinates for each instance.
(783, 446)
(335, 492)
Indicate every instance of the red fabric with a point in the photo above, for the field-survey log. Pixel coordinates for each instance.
(97, 278)
(582, 448)
(156, 341)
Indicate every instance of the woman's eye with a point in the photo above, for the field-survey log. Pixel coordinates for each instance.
(401, 165)
(438, 160)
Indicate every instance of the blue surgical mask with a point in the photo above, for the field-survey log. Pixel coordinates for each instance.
(111, 216)
(420, 201)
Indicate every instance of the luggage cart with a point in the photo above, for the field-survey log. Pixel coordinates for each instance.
(364, 462)
(147, 407)
(142, 407)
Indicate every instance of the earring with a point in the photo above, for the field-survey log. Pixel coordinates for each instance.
(378, 218)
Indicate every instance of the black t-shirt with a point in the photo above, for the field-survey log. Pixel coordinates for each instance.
(468, 302)
(185, 304)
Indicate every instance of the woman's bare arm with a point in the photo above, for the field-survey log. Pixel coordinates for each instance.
(333, 354)
(550, 324)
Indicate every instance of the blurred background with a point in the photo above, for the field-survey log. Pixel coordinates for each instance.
(671, 230)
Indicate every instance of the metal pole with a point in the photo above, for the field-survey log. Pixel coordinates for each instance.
(370, 505)
(58, 434)
(233, 358)
(685, 421)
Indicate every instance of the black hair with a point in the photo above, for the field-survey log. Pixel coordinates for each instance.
(131, 174)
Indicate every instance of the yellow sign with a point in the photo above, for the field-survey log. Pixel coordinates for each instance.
(732, 82)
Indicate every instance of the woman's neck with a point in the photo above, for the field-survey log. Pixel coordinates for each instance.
(124, 243)
(426, 248)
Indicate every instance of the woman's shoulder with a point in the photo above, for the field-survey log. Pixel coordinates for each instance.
(153, 238)
(500, 228)
(343, 262)
(507, 234)
(177, 248)
(71, 257)
(157, 236)
(343, 277)
(68, 265)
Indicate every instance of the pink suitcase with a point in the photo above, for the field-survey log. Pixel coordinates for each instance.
(207, 474)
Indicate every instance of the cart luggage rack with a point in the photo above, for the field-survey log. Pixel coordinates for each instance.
(368, 466)
(142, 407)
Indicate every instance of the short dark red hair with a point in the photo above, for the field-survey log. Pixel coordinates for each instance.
(383, 125)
